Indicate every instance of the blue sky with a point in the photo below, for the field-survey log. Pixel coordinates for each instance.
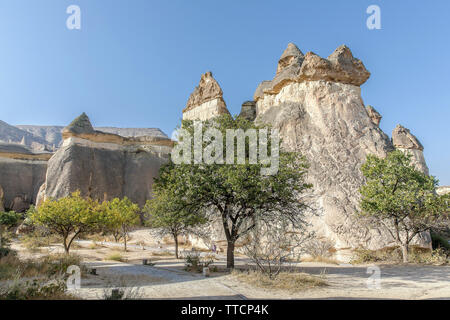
(135, 62)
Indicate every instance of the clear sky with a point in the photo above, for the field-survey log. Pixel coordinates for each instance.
(135, 62)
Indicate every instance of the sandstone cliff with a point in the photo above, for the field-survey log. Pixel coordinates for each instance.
(104, 165)
(21, 174)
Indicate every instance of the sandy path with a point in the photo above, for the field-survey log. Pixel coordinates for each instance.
(345, 282)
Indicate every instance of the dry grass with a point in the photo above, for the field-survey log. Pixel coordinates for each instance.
(320, 259)
(36, 279)
(116, 256)
(163, 254)
(12, 267)
(35, 241)
(284, 280)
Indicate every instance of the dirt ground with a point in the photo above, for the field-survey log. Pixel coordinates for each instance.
(167, 279)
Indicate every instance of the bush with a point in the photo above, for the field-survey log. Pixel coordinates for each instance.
(394, 254)
(194, 263)
(318, 249)
(35, 290)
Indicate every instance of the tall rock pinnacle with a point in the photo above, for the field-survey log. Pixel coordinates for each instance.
(206, 101)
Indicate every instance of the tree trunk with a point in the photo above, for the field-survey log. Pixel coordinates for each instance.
(230, 255)
(175, 239)
(405, 253)
(1, 236)
(66, 247)
(125, 241)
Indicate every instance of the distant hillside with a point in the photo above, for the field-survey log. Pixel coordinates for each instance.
(12, 134)
(40, 138)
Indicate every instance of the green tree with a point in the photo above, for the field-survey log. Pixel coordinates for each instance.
(167, 212)
(7, 220)
(401, 198)
(238, 194)
(67, 217)
(118, 218)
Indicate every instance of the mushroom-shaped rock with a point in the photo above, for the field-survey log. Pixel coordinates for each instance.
(293, 66)
(206, 101)
(374, 115)
(347, 68)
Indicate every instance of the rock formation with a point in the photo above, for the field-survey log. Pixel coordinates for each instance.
(293, 67)
(403, 140)
(374, 115)
(206, 101)
(104, 165)
(21, 174)
(316, 105)
(248, 110)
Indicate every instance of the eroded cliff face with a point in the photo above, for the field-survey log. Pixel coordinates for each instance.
(320, 113)
(21, 174)
(103, 165)
(206, 101)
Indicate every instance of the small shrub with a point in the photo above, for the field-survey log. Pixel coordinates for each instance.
(116, 257)
(133, 293)
(319, 249)
(194, 263)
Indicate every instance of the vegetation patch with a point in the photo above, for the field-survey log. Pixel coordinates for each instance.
(36, 289)
(284, 280)
(194, 263)
(116, 256)
(12, 267)
(418, 255)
